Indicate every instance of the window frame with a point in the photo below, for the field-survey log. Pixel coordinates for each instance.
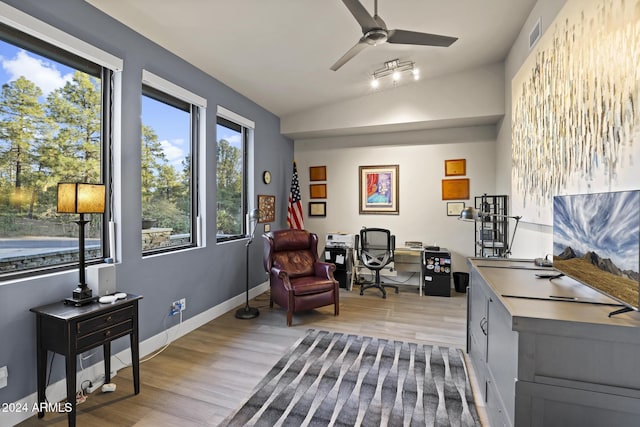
(26, 32)
(248, 131)
(174, 95)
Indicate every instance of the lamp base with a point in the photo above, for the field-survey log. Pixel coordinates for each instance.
(247, 313)
(79, 301)
(81, 295)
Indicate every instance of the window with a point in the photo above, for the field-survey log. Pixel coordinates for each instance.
(170, 140)
(234, 134)
(54, 127)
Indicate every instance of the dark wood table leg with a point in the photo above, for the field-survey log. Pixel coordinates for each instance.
(71, 387)
(41, 363)
(135, 359)
(107, 362)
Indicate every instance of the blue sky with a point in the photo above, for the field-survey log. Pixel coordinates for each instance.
(172, 134)
(50, 75)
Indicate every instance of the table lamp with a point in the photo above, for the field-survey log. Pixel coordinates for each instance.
(81, 198)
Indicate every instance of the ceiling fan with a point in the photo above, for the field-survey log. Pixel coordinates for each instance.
(374, 31)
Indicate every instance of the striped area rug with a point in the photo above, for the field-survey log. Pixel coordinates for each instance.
(333, 379)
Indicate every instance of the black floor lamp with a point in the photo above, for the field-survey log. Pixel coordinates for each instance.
(249, 312)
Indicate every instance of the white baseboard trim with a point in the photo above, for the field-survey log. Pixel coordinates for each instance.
(58, 391)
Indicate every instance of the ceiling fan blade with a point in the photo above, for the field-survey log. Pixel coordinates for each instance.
(363, 17)
(413, 37)
(350, 54)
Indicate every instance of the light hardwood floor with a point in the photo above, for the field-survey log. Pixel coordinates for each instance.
(202, 377)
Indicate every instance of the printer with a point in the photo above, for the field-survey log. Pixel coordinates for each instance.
(339, 240)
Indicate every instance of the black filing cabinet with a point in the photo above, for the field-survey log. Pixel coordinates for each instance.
(437, 272)
(341, 257)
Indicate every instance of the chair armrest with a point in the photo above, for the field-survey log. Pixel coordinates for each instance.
(322, 269)
(282, 277)
(393, 248)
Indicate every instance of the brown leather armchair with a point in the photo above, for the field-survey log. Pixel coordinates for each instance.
(299, 280)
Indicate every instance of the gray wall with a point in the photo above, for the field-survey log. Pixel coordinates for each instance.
(206, 277)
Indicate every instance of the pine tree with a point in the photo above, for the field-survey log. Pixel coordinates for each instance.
(24, 129)
(152, 159)
(229, 180)
(76, 107)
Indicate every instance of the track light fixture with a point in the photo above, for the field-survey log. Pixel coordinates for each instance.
(394, 68)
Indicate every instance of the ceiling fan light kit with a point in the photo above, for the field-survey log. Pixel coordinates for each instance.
(395, 68)
(374, 32)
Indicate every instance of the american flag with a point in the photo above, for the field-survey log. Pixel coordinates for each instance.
(294, 211)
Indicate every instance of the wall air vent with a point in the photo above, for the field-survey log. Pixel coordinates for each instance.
(535, 33)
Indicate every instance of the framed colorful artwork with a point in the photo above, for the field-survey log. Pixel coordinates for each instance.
(379, 189)
(266, 208)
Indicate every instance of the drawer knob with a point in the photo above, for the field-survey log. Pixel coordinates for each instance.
(108, 319)
(107, 333)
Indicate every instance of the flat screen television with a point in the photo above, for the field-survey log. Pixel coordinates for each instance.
(596, 241)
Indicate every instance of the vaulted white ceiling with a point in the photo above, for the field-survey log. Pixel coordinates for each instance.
(279, 52)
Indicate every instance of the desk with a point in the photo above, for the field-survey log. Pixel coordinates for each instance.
(404, 259)
(69, 330)
(409, 260)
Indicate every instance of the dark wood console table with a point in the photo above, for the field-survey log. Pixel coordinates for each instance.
(69, 330)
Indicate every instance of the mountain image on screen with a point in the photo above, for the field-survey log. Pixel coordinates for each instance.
(596, 240)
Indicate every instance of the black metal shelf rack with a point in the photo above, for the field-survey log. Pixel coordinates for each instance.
(492, 229)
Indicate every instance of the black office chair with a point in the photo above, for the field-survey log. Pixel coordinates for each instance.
(374, 248)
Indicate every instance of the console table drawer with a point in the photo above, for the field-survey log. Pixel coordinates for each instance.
(105, 320)
(99, 337)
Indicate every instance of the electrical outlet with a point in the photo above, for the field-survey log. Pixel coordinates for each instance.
(4, 374)
(174, 308)
(177, 306)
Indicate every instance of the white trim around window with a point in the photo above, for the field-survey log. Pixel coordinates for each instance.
(157, 82)
(235, 117)
(43, 31)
